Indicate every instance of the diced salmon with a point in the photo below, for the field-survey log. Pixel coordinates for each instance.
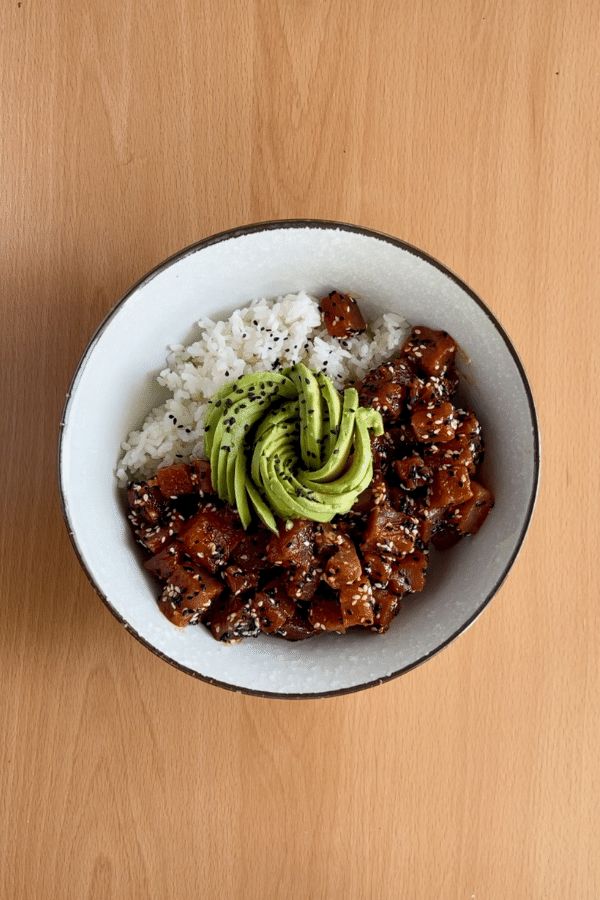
(293, 546)
(470, 516)
(449, 487)
(408, 573)
(378, 566)
(385, 606)
(247, 562)
(175, 481)
(238, 580)
(431, 351)
(386, 388)
(211, 536)
(200, 475)
(146, 500)
(187, 594)
(445, 536)
(424, 391)
(342, 315)
(163, 564)
(325, 614)
(272, 606)
(198, 588)
(403, 501)
(468, 430)
(450, 454)
(434, 425)
(230, 619)
(428, 522)
(382, 450)
(374, 495)
(389, 531)
(412, 472)
(344, 567)
(356, 602)
(154, 537)
(302, 584)
(176, 615)
(297, 628)
(327, 536)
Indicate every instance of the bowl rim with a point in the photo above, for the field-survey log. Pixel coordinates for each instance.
(253, 228)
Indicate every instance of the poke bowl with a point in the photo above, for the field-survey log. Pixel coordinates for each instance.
(153, 382)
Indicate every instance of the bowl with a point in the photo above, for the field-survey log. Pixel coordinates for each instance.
(113, 389)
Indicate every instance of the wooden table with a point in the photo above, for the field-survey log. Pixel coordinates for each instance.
(130, 129)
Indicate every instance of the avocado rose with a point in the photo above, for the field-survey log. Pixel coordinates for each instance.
(287, 444)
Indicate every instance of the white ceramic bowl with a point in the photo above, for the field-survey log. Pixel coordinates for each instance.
(113, 389)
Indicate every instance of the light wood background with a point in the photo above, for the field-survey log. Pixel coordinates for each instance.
(129, 129)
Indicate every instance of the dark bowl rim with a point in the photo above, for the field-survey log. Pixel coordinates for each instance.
(326, 225)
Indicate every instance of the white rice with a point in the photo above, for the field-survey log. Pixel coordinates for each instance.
(285, 331)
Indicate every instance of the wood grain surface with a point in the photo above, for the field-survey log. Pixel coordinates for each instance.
(129, 129)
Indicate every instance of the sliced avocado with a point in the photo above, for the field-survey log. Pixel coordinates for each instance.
(361, 467)
(262, 510)
(287, 505)
(240, 418)
(287, 418)
(213, 415)
(302, 435)
(215, 452)
(241, 495)
(332, 414)
(311, 415)
(222, 400)
(240, 408)
(372, 419)
(293, 500)
(339, 455)
(290, 505)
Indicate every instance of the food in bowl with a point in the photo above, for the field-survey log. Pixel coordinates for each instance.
(306, 462)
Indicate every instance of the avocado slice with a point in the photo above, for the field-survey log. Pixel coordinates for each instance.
(332, 414)
(262, 510)
(311, 415)
(240, 492)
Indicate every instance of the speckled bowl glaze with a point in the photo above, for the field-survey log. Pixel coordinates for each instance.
(113, 389)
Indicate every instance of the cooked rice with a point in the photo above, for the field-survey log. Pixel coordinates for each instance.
(263, 335)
